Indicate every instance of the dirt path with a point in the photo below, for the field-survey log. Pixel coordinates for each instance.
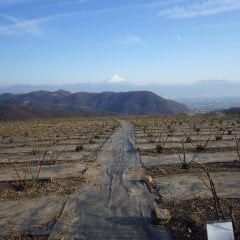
(114, 205)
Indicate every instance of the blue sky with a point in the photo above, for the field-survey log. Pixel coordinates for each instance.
(142, 41)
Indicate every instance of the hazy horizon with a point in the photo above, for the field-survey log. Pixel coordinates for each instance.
(216, 81)
(142, 42)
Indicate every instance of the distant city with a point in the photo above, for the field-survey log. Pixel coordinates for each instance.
(204, 105)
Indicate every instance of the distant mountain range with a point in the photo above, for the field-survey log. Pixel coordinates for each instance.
(202, 89)
(45, 104)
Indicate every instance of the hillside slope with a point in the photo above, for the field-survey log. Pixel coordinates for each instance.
(13, 113)
(124, 103)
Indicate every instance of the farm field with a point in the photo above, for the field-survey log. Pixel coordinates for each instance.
(42, 163)
(184, 156)
(73, 179)
(99, 178)
(119, 120)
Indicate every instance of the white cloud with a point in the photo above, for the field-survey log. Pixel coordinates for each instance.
(131, 40)
(34, 26)
(201, 8)
(30, 27)
(116, 79)
(18, 26)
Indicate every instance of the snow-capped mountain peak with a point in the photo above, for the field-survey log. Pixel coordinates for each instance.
(116, 79)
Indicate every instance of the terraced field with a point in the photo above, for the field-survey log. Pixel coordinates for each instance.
(42, 163)
(183, 155)
(107, 178)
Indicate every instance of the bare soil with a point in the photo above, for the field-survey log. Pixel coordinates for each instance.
(24, 236)
(189, 217)
(172, 169)
(153, 151)
(15, 190)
